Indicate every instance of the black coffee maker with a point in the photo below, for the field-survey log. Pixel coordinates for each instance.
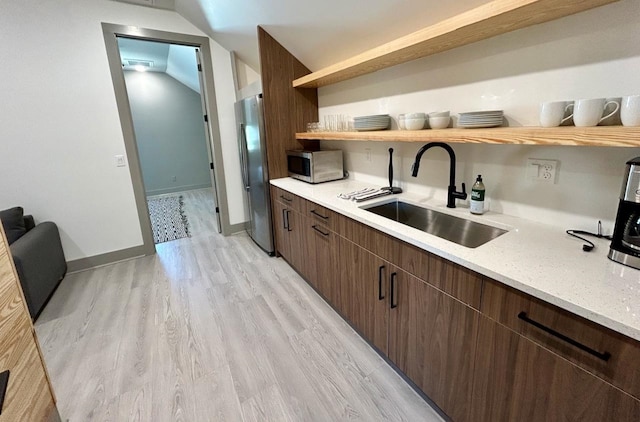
(625, 244)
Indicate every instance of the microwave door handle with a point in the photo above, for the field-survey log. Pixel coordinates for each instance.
(243, 158)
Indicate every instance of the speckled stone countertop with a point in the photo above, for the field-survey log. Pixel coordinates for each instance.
(532, 257)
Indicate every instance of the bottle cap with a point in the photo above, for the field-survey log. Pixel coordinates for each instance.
(479, 179)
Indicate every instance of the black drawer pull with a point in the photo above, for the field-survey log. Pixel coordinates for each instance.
(319, 231)
(316, 213)
(393, 288)
(286, 199)
(4, 383)
(604, 356)
(380, 295)
(288, 222)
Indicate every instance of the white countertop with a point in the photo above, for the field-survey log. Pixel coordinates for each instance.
(535, 258)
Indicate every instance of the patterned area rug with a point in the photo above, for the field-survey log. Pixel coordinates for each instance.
(168, 219)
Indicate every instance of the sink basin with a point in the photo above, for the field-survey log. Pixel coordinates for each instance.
(458, 230)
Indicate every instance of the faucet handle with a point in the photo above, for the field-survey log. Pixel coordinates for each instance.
(460, 195)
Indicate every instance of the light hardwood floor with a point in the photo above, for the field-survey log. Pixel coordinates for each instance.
(211, 329)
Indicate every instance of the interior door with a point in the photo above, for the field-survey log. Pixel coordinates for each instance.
(207, 134)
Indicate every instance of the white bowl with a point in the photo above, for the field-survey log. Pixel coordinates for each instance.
(415, 116)
(414, 124)
(401, 118)
(439, 122)
(440, 114)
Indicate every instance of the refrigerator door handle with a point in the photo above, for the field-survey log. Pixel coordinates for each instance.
(243, 158)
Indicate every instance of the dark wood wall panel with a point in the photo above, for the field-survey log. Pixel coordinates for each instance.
(287, 110)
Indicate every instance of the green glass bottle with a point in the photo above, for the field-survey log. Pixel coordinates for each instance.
(477, 197)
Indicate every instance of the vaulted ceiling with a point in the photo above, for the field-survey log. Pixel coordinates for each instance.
(318, 33)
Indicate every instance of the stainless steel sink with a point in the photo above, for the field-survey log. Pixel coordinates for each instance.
(458, 230)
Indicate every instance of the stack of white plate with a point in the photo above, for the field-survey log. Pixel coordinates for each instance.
(376, 122)
(476, 119)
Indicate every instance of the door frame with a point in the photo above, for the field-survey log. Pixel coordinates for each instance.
(110, 33)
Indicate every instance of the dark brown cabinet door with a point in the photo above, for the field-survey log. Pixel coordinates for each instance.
(325, 274)
(296, 241)
(289, 235)
(280, 229)
(363, 292)
(517, 380)
(315, 244)
(432, 339)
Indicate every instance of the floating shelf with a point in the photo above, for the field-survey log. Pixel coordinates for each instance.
(598, 136)
(491, 19)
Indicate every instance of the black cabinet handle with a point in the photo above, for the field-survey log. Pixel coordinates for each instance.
(604, 356)
(288, 222)
(319, 231)
(314, 212)
(284, 219)
(380, 295)
(286, 199)
(393, 288)
(4, 383)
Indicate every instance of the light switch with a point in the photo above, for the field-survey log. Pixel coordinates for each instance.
(120, 161)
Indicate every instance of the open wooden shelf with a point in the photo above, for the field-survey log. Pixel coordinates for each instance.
(598, 136)
(491, 19)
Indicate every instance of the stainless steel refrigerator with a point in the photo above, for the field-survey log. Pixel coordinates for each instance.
(255, 174)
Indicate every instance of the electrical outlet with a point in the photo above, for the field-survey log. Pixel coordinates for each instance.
(542, 170)
(367, 156)
(120, 161)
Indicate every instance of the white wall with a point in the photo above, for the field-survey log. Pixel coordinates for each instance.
(228, 133)
(183, 66)
(245, 74)
(59, 125)
(591, 54)
(170, 133)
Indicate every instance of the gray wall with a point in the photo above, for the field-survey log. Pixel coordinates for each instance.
(167, 117)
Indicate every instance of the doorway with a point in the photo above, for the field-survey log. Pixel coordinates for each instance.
(114, 36)
(165, 96)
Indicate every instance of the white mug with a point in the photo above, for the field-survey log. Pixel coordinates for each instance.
(552, 113)
(588, 112)
(630, 110)
(614, 119)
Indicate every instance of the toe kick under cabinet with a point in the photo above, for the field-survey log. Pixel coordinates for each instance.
(478, 349)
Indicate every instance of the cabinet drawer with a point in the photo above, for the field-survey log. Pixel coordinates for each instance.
(455, 280)
(518, 380)
(374, 241)
(293, 201)
(320, 215)
(610, 355)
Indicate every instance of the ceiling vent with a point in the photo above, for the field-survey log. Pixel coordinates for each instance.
(135, 62)
(160, 4)
(142, 2)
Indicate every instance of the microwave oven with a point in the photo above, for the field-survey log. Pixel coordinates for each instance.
(315, 166)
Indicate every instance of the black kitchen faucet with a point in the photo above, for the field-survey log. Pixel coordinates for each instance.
(452, 194)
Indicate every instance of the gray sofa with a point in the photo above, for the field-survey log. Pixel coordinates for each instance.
(38, 256)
